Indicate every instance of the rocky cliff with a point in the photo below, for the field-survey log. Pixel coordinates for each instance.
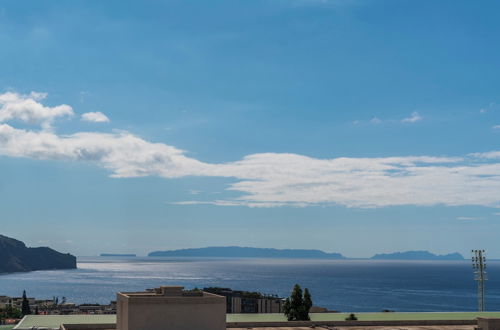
(16, 257)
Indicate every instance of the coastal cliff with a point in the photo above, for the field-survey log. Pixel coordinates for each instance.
(16, 257)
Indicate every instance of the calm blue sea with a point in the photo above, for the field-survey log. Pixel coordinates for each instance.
(343, 285)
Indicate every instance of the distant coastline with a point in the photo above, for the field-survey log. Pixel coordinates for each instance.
(417, 255)
(251, 252)
(118, 255)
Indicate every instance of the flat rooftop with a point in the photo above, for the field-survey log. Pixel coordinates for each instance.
(169, 292)
(54, 321)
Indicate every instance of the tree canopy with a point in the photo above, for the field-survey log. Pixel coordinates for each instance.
(297, 306)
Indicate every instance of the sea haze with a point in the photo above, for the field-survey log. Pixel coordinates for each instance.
(343, 285)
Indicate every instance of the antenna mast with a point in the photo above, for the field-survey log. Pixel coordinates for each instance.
(479, 266)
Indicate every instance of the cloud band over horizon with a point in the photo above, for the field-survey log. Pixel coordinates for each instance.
(263, 179)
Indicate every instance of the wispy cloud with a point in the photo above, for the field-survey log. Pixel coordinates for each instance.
(95, 117)
(469, 218)
(411, 119)
(491, 106)
(272, 179)
(326, 3)
(490, 155)
(195, 192)
(415, 117)
(83, 96)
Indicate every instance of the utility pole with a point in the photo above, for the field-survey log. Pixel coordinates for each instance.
(479, 266)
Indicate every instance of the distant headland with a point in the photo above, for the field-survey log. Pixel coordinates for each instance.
(16, 257)
(246, 252)
(417, 255)
(251, 252)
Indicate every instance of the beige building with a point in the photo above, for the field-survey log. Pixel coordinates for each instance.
(266, 305)
(172, 308)
(235, 305)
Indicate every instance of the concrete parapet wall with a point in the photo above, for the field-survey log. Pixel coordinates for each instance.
(488, 324)
(350, 323)
(86, 326)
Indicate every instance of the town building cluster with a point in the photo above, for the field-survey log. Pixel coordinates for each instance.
(236, 302)
(54, 307)
(248, 302)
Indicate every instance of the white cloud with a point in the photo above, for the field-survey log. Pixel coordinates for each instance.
(95, 117)
(486, 155)
(123, 153)
(496, 127)
(469, 218)
(277, 179)
(492, 106)
(328, 3)
(27, 108)
(415, 117)
(195, 192)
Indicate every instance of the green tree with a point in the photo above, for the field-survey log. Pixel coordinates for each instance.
(296, 307)
(25, 307)
(307, 302)
(287, 309)
(10, 312)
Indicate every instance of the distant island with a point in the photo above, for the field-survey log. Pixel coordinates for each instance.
(117, 255)
(16, 257)
(417, 255)
(250, 252)
(247, 252)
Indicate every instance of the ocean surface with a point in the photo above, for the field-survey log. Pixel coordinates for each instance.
(342, 285)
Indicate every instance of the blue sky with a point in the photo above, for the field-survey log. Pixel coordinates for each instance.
(354, 126)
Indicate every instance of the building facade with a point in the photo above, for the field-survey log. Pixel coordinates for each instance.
(248, 302)
(170, 307)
